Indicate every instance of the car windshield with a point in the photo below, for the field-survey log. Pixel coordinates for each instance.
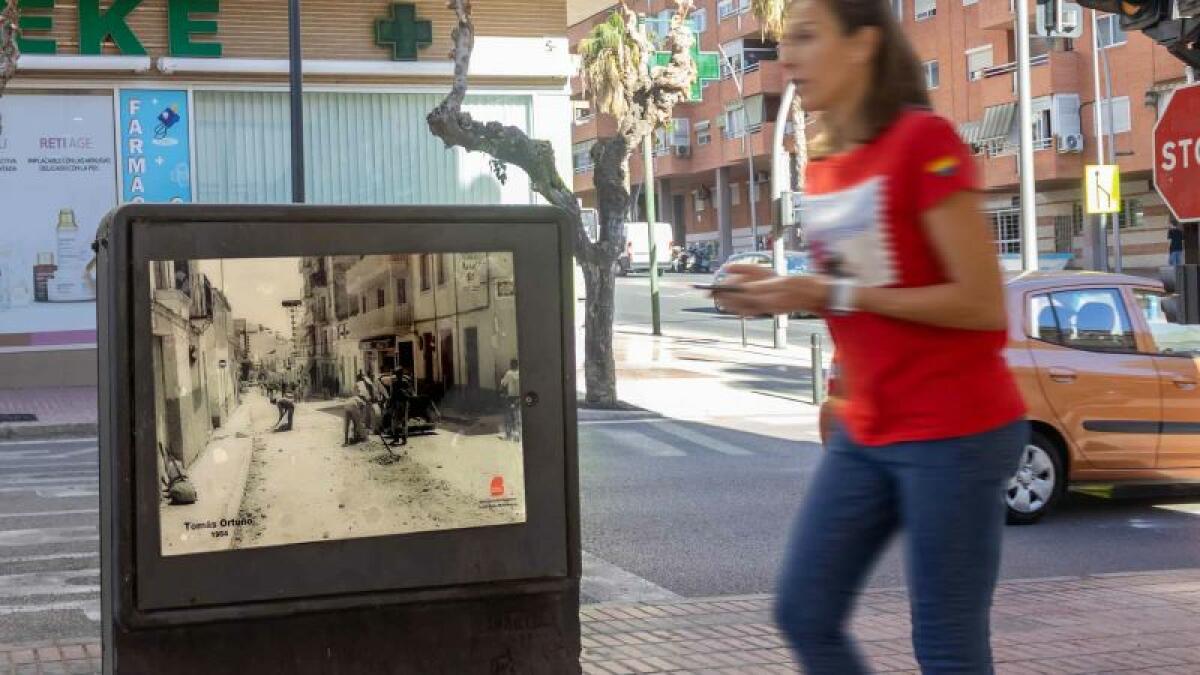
(1169, 338)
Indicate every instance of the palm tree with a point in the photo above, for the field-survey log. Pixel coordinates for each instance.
(607, 55)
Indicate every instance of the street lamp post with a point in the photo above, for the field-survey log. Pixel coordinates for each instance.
(1029, 230)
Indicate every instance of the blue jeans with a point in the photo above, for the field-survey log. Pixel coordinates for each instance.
(1175, 258)
(947, 496)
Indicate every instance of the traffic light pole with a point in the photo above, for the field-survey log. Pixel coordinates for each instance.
(1099, 235)
(1029, 228)
(651, 221)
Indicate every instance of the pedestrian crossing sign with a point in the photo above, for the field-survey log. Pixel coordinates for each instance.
(1102, 188)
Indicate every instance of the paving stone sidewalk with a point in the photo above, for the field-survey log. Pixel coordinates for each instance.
(58, 412)
(1111, 623)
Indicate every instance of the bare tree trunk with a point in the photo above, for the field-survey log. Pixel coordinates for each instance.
(599, 365)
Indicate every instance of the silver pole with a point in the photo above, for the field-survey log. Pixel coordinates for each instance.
(1029, 229)
(779, 185)
(1112, 159)
(818, 370)
(1100, 248)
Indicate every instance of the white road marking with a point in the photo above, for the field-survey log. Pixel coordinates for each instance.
(48, 535)
(48, 558)
(90, 608)
(53, 441)
(56, 583)
(705, 441)
(605, 582)
(649, 446)
(37, 514)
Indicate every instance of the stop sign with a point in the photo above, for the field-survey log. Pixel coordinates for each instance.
(1177, 154)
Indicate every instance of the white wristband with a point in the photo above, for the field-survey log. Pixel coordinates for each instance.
(841, 296)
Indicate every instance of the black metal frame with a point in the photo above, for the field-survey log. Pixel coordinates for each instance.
(144, 588)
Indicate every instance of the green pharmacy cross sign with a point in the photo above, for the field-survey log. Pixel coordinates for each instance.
(708, 67)
(403, 33)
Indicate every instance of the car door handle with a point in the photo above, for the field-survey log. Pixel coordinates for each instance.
(1062, 375)
(1184, 383)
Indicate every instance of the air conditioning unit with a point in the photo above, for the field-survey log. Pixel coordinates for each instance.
(1070, 143)
(762, 177)
(683, 151)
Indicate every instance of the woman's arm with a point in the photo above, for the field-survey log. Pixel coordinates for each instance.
(973, 298)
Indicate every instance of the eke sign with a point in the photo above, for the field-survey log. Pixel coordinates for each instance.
(98, 26)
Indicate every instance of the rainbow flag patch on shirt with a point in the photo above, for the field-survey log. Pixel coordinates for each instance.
(945, 166)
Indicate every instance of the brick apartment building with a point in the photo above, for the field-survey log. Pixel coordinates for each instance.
(968, 50)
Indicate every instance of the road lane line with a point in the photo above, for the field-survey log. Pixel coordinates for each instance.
(48, 535)
(605, 582)
(89, 607)
(704, 440)
(51, 442)
(37, 514)
(56, 583)
(14, 560)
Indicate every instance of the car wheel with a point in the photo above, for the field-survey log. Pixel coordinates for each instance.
(1038, 482)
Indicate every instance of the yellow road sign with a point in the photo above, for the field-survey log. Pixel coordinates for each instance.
(1102, 188)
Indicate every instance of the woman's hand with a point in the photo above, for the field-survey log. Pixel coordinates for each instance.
(756, 291)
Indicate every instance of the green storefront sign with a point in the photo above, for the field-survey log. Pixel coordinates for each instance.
(98, 26)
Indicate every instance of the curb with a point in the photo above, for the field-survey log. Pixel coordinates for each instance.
(48, 431)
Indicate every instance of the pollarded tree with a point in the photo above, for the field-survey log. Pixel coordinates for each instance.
(615, 65)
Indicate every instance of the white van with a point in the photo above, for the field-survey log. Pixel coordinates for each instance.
(636, 255)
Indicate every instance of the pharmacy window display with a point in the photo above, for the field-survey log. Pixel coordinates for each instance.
(57, 180)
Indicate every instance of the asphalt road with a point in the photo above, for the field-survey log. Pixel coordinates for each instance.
(687, 310)
(49, 546)
(700, 521)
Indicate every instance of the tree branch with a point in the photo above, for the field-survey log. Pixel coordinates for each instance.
(507, 144)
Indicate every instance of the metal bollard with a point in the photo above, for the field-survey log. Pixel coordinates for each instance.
(743, 331)
(818, 371)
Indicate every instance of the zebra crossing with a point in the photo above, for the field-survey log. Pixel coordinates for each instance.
(656, 437)
(49, 540)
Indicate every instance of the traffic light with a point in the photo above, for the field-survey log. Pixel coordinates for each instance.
(1182, 284)
(1135, 14)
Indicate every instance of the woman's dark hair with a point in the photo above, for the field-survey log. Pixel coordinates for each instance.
(896, 78)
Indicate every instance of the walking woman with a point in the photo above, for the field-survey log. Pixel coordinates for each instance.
(929, 423)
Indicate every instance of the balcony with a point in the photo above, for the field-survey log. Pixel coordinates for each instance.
(758, 142)
(997, 14)
(387, 320)
(760, 77)
(1000, 170)
(1052, 73)
(594, 126)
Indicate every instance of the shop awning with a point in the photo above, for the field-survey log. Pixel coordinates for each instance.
(969, 131)
(997, 122)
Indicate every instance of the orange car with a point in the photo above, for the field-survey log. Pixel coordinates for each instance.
(1113, 388)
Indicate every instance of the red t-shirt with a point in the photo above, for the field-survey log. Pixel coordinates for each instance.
(902, 381)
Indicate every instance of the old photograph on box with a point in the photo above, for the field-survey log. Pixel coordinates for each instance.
(323, 398)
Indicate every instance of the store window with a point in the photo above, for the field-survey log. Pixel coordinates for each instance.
(360, 148)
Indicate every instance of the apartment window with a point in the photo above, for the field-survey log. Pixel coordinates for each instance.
(700, 20)
(402, 292)
(970, 2)
(1077, 218)
(441, 269)
(1043, 123)
(581, 156)
(1006, 230)
(1133, 214)
(933, 75)
(1110, 32)
(978, 60)
(703, 132)
(426, 271)
(380, 298)
(1116, 115)
(726, 8)
(898, 9)
(924, 9)
(734, 118)
(362, 299)
(735, 194)
(698, 201)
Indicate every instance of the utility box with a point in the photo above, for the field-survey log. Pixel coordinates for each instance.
(338, 440)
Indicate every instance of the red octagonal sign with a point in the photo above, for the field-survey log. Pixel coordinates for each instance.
(1177, 154)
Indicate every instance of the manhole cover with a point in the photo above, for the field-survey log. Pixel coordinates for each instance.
(18, 417)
